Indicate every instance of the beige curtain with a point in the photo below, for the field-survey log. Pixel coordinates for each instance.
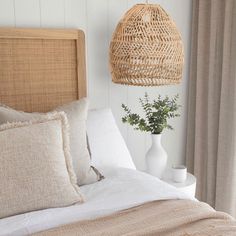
(211, 134)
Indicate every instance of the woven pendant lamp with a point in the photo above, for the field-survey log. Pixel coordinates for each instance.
(146, 48)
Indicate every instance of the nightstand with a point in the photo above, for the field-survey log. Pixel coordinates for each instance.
(189, 186)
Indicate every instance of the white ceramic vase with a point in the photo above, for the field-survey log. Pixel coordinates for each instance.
(156, 157)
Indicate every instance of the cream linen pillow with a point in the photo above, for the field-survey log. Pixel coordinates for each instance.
(36, 170)
(77, 115)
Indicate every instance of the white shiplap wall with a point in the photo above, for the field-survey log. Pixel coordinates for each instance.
(98, 19)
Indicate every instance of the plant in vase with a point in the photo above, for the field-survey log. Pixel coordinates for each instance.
(157, 113)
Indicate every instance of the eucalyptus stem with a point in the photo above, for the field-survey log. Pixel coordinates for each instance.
(157, 113)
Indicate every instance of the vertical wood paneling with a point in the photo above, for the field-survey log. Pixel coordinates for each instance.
(118, 93)
(52, 13)
(27, 13)
(97, 42)
(7, 15)
(98, 19)
(76, 14)
(69, 14)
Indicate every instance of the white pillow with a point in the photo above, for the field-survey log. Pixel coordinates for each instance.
(107, 146)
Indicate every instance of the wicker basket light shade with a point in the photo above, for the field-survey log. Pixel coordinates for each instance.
(146, 48)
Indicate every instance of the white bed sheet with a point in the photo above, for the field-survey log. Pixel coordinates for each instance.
(121, 189)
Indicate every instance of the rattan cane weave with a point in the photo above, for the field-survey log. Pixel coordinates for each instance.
(146, 48)
(41, 69)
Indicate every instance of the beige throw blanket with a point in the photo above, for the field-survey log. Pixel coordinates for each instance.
(172, 217)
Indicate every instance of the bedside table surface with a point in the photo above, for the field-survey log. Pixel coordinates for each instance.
(190, 180)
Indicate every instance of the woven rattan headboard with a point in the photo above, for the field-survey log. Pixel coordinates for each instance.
(41, 68)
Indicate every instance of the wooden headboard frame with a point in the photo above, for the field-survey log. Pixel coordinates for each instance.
(41, 68)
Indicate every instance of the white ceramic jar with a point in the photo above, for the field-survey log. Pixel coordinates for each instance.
(179, 173)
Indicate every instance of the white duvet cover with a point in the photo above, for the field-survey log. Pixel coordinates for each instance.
(121, 189)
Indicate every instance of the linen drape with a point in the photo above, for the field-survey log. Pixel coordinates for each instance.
(211, 133)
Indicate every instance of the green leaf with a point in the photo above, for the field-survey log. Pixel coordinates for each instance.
(156, 114)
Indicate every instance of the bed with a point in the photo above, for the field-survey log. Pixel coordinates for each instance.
(44, 68)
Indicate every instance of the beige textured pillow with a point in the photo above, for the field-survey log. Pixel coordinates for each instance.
(77, 115)
(36, 170)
